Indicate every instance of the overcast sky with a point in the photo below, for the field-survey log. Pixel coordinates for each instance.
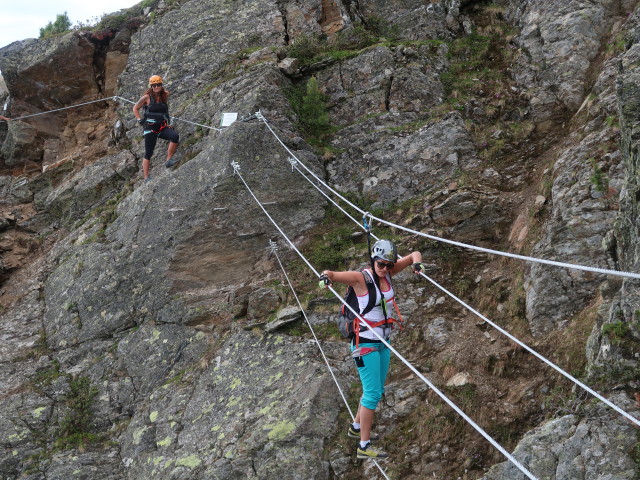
(20, 19)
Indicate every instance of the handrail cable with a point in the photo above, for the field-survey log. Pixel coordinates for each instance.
(494, 325)
(178, 118)
(479, 429)
(115, 97)
(64, 108)
(451, 242)
(274, 249)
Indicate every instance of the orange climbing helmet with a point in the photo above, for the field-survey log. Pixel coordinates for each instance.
(155, 79)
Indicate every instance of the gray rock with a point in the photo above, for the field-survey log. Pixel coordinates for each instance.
(395, 168)
(289, 65)
(262, 302)
(575, 231)
(90, 187)
(570, 447)
(560, 41)
(203, 430)
(436, 332)
(21, 144)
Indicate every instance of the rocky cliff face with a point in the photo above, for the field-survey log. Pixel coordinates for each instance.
(140, 320)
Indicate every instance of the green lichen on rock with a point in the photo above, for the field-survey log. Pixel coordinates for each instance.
(280, 430)
(192, 461)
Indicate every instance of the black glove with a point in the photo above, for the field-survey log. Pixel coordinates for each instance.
(324, 281)
(141, 121)
(418, 267)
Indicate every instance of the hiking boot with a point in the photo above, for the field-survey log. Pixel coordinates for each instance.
(355, 433)
(171, 162)
(370, 452)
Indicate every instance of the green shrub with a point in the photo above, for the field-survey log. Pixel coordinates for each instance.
(331, 251)
(75, 426)
(61, 25)
(382, 28)
(616, 331)
(309, 104)
(313, 110)
(116, 22)
(306, 48)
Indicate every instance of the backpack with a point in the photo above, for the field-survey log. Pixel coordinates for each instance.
(346, 318)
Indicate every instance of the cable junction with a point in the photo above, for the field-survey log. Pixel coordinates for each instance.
(479, 429)
(273, 247)
(474, 311)
(452, 242)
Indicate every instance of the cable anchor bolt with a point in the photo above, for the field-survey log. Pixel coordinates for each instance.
(236, 167)
(293, 162)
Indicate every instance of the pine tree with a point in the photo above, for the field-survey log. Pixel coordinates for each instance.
(314, 111)
(61, 25)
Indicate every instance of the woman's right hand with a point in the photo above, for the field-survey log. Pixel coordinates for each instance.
(324, 280)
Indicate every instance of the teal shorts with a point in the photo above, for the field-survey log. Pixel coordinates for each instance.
(372, 368)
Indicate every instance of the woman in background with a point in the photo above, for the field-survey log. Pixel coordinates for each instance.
(156, 123)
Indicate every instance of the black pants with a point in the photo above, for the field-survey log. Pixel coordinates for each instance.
(151, 138)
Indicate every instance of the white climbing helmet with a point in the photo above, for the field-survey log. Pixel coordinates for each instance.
(384, 250)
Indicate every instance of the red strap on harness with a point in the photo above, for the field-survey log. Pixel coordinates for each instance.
(388, 321)
(163, 125)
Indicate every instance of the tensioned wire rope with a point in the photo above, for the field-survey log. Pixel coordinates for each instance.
(479, 429)
(452, 242)
(494, 325)
(604, 271)
(274, 249)
(115, 97)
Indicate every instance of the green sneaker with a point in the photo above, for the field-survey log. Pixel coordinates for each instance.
(370, 452)
(355, 433)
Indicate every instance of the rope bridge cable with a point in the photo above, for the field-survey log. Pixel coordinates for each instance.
(452, 242)
(177, 118)
(64, 108)
(115, 97)
(536, 354)
(494, 325)
(395, 352)
(274, 249)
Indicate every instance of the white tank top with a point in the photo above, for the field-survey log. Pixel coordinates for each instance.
(376, 314)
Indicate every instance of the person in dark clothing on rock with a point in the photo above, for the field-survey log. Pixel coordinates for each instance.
(156, 123)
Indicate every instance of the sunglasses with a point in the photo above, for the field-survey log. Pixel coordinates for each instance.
(382, 265)
(154, 85)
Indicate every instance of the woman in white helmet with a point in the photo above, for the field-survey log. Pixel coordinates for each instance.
(370, 354)
(156, 123)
